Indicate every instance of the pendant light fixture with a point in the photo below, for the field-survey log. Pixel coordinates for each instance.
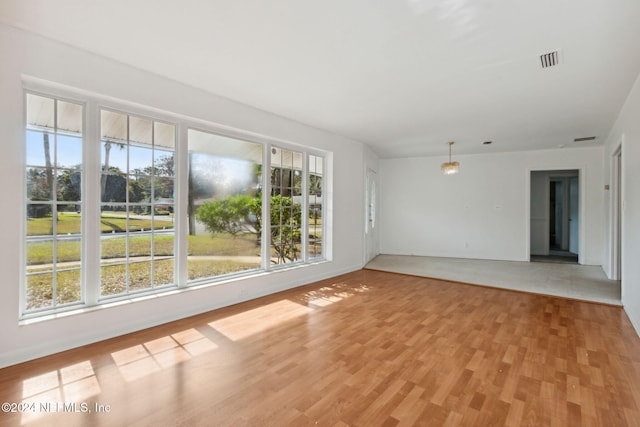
(450, 168)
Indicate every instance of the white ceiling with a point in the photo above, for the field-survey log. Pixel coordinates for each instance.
(404, 76)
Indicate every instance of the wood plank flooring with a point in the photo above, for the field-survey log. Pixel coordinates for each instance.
(368, 348)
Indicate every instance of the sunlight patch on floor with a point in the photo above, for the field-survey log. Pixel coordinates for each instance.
(144, 359)
(48, 392)
(261, 319)
(336, 292)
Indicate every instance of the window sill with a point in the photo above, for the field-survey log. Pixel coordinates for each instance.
(34, 318)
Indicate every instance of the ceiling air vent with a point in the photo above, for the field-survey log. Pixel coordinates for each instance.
(550, 59)
(586, 138)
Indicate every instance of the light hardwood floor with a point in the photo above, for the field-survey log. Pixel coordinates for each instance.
(367, 348)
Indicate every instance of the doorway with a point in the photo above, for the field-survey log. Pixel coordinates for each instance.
(555, 216)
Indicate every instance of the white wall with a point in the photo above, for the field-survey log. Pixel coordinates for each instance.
(482, 212)
(627, 131)
(26, 54)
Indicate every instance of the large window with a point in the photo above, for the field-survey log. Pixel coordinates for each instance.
(137, 203)
(224, 205)
(286, 205)
(54, 139)
(121, 203)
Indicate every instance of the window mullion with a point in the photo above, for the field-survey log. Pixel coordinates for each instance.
(265, 249)
(54, 206)
(91, 204)
(181, 216)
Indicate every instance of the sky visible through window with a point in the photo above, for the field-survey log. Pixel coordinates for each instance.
(70, 152)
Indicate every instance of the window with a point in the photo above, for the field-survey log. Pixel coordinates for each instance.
(315, 199)
(104, 219)
(136, 203)
(224, 205)
(54, 141)
(286, 205)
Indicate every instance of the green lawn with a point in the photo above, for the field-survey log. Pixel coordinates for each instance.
(113, 281)
(114, 277)
(69, 223)
(68, 251)
(40, 253)
(223, 244)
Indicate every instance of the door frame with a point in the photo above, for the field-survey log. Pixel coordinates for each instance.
(616, 234)
(581, 201)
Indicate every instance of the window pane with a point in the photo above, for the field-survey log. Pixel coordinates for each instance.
(39, 290)
(39, 254)
(164, 135)
(140, 130)
(69, 187)
(163, 272)
(68, 286)
(163, 244)
(113, 279)
(162, 219)
(297, 184)
(113, 187)
(40, 112)
(139, 247)
(297, 161)
(163, 193)
(139, 191)
(68, 223)
(39, 149)
(139, 276)
(224, 205)
(113, 247)
(39, 220)
(163, 162)
(114, 157)
(68, 250)
(69, 154)
(113, 126)
(141, 159)
(69, 117)
(39, 183)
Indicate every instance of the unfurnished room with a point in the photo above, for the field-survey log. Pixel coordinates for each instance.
(342, 213)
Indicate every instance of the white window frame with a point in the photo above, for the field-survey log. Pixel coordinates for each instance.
(56, 95)
(145, 116)
(90, 199)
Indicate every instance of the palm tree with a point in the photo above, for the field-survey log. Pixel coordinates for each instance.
(105, 168)
(47, 157)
